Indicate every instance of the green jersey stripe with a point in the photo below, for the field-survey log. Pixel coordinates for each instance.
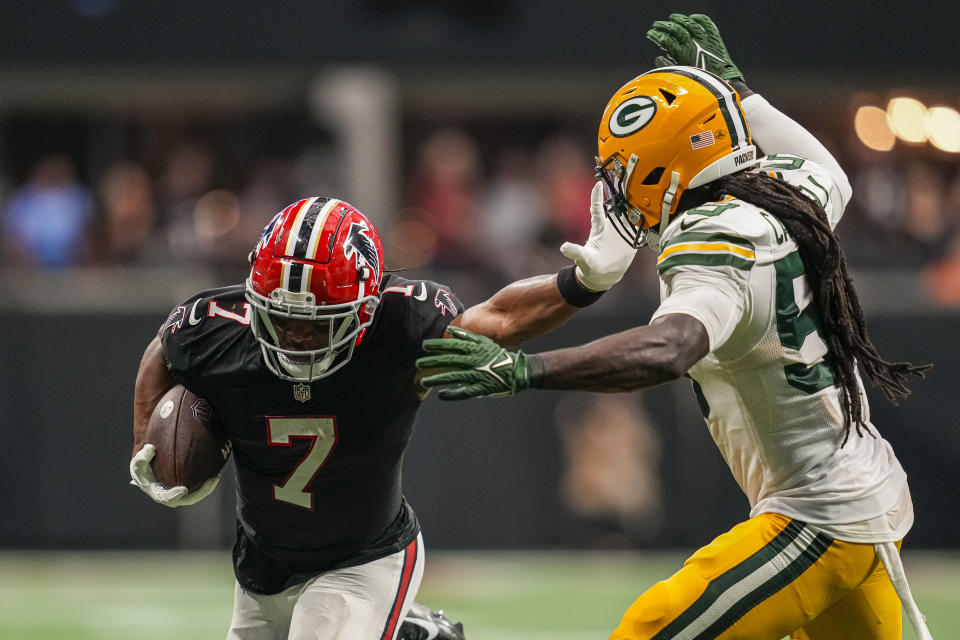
(706, 260)
(695, 236)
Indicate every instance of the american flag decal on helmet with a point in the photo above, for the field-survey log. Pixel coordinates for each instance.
(701, 140)
(726, 96)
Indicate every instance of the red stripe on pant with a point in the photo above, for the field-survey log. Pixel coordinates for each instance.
(409, 561)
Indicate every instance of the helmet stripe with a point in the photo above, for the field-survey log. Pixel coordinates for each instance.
(305, 279)
(316, 227)
(731, 111)
(724, 93)
(294, 233)
(294, 280)
(310, 227)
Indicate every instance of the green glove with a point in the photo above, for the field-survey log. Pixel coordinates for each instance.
(477, 366)
(693, 41)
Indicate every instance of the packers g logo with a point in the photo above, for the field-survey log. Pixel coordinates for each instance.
(631, 116)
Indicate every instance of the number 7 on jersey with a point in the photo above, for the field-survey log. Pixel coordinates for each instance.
(281, 432)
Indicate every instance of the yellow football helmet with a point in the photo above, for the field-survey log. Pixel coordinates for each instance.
(666, 131)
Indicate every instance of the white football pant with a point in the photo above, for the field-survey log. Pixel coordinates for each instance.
(366, 602)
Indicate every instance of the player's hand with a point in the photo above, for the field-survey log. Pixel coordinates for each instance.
(693, 41)
(475, 366)
(605, 257)
(143, 477)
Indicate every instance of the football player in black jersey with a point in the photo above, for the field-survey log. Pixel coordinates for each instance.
(326, 545)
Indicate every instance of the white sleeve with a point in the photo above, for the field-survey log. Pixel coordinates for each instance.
(717, 301)
(777, 133)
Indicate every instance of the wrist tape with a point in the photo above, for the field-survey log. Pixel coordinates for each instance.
(572, 291)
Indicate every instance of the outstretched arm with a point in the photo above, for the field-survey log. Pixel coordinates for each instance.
(633, 359)
(694, 40)
(520, 311)
(534, 306)
(475, 366)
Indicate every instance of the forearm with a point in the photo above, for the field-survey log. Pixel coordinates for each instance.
(153, 380)
(518, 312)
(633, 359)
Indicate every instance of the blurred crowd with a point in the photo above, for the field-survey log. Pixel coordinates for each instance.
(500, 215)
(905, 214)
(130, 216)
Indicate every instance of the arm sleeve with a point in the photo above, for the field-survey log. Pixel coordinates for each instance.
(776, 133)
(711, 297)
(438, 310)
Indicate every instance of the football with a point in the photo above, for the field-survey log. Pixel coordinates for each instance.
(190, 442)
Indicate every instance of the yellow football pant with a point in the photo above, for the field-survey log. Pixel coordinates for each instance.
(767, 578)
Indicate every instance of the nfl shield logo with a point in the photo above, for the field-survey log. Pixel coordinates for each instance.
(301, 392)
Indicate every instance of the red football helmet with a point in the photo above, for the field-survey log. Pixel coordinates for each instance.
(315, 284)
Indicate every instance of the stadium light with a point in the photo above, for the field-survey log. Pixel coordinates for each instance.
(907, 119)
(872, 129)
(943, 129)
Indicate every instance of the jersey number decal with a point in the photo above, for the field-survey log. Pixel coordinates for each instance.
(281, 432)
(785, 162)
(799, 328)
(712, 209)
(216, 310)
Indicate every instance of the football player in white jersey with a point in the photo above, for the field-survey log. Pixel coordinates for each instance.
(758, 310)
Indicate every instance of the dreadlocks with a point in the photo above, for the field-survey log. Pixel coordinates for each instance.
(843, 325)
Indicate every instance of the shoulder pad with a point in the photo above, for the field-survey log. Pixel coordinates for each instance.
(226, 303)
(729, 233)
(816, 182)
(436, 296)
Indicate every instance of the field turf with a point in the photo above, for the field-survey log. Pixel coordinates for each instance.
(498, 596)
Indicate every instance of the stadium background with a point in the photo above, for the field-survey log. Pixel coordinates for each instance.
(149, 142)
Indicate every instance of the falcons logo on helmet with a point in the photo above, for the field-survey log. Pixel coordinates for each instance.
(360, 245)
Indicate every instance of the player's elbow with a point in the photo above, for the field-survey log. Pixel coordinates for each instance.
(670, 362)
(680, 342)
(653, 367)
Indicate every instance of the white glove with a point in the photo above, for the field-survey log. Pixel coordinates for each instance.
(144, 478)
(605, 257)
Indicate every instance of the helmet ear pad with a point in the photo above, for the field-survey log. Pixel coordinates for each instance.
(318, 260)
(681, 127)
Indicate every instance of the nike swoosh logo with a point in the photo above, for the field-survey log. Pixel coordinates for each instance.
(423, 293)
(194, 320)
(432, 630)
(702, 57)
(507, 359)
(684, 226)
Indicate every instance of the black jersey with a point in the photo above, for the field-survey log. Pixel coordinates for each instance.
(318, 465)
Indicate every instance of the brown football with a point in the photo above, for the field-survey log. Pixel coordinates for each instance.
(189, 439)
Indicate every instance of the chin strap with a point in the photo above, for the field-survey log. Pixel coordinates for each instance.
(631, 165)
(668, 197)
(632, 215)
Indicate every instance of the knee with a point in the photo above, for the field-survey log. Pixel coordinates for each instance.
(648, 614)
(319, 618)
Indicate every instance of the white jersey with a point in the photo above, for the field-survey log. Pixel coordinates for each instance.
(765, 390)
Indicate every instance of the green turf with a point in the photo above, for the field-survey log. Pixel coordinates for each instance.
(498, 596)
